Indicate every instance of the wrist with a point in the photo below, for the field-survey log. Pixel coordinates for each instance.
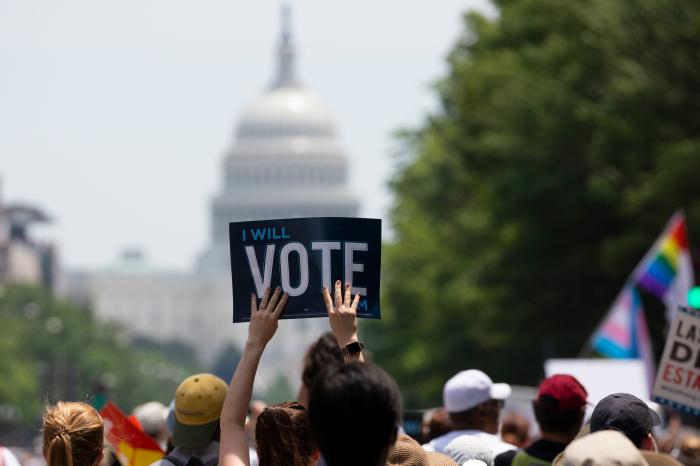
(344, 341)
(352, 350)
(253, 345)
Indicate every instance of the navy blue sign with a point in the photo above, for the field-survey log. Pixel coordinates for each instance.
(301, 255)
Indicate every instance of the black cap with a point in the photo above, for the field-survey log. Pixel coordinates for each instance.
(625, 413)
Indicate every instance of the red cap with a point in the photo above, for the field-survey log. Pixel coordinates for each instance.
(565, 389)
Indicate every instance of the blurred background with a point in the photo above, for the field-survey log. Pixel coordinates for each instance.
(523, 154)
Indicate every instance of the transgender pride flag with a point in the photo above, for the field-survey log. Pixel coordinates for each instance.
(666, 271)
(624, 329)
(624, 334)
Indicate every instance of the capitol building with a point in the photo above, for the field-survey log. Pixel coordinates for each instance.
(285, 162)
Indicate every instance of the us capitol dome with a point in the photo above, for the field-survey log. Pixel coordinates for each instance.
(285, 162)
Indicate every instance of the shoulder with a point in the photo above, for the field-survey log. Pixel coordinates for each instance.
(9, 457)
(165, 461)
(430, 446)
(438, 443)
(499, 446)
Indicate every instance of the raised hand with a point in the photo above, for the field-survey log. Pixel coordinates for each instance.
(342, 313)
(263, 324)
(264, 319)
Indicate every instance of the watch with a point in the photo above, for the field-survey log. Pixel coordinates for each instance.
(351, 348)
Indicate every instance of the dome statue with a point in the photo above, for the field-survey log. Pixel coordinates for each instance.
(285, 161)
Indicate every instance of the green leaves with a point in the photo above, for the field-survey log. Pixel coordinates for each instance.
(566, 138)
(52, 350)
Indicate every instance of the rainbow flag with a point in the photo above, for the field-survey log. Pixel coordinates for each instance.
(624, 334)
(666, 271)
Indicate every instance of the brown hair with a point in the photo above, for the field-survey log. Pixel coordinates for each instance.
(321, 355)
(284, 436)
(73, 434)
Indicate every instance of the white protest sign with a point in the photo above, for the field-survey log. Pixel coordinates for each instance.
(678, 379)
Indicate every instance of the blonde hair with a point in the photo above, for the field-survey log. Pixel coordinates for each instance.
(73, 434)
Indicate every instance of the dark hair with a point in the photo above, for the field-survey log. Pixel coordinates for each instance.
(323, 354)
(552, 419)
(73, 434)
(283, 436)
(354, 411)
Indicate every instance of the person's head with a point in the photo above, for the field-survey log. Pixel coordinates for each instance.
(254, 411)
(354, 411)
(408, 452)
(323, 354)
(198, 403)
(73, 435)
(436, 424)
(474, 401)
(601, 449)
(689, 453)
(152, 416)
(560, 406)
(285, 436)
(628, 414)
(515, 429)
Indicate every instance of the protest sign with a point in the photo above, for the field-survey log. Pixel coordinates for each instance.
(301, 255)
(132, 446)
(678, 379)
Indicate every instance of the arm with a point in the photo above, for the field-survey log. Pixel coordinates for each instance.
(342, 315)
(263, 324)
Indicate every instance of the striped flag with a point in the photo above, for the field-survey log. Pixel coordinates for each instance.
(666, 271)
(132, 446)
(624, 334)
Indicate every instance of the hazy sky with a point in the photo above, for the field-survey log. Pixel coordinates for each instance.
(115, 115)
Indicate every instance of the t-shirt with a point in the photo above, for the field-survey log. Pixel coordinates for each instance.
(494, 442)
(206, 454)
(541, 449)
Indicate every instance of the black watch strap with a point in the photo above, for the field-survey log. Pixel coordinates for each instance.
(352, 348)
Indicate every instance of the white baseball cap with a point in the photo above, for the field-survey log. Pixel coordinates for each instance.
(470, 388)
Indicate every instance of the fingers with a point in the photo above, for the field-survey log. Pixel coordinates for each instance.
(273, 301)
(327, 300)
(355, 303)
(253, 303)
(280, 307)
(265, 298)
(346, 299)
(338, 297)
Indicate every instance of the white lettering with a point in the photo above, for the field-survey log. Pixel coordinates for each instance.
(325, 247)
(303, 268)
(261, 283)
(350, 266)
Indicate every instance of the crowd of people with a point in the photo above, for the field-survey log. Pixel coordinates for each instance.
(349, 412)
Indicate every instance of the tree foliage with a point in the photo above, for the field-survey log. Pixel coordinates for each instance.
(52, 350)
(567, 135)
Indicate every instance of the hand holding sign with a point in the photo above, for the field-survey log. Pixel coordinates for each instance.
(342, 314)
(263, 319)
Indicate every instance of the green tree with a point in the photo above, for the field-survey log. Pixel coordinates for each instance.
(567, 135)
(52, 350)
